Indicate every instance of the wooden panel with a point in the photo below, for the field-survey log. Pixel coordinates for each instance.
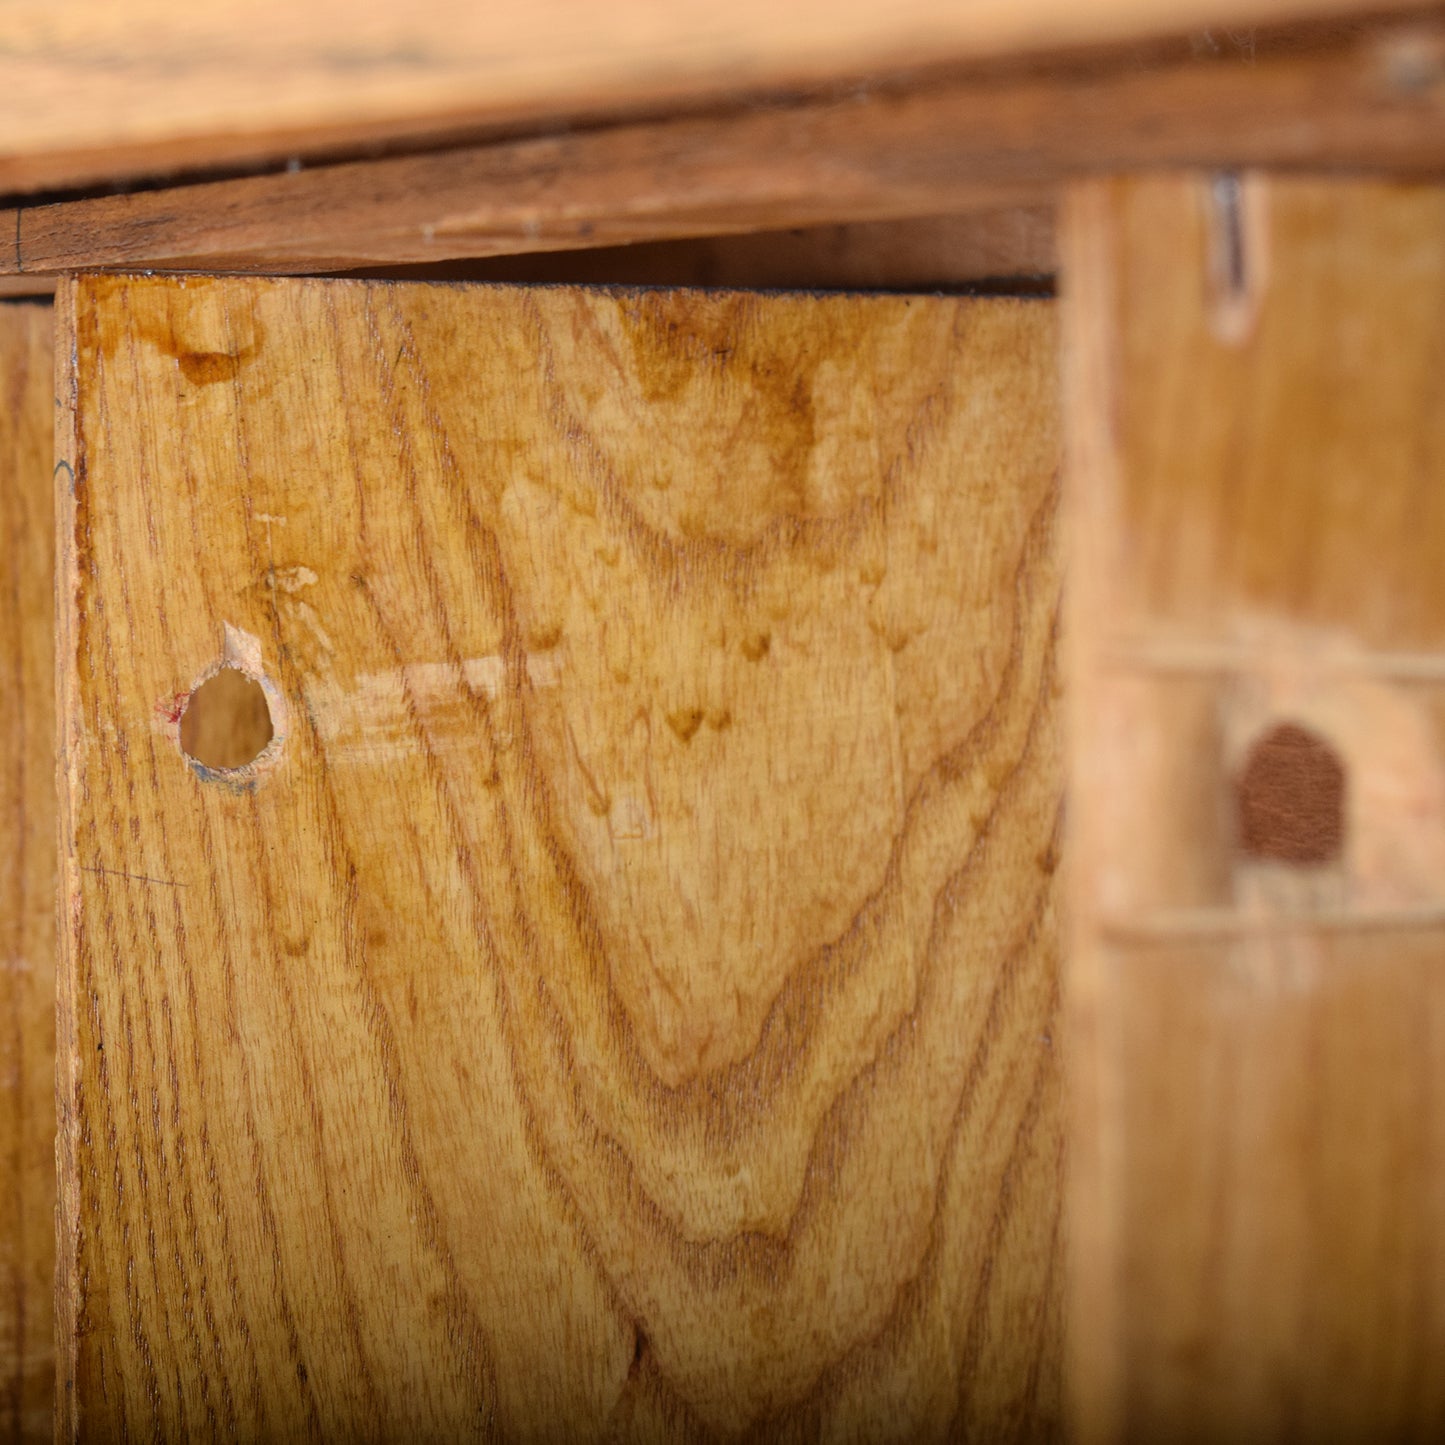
(1332, 96)
(27, 877)
(1257, 951)
(620, 1002)
(93, 90)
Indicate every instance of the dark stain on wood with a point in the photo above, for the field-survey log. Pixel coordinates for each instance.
(1291, 798)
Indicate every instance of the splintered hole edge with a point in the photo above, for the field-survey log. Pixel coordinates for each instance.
(227, 722)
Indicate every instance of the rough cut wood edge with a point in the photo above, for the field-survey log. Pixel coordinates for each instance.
(67, 1116)
(94, 91)
(27, 882)
(1337, 97)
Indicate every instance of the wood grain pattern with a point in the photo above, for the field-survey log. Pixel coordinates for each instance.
(622, 1004)
(92, 91)
(1257, 1046)
(27, 878)
(1368, 98)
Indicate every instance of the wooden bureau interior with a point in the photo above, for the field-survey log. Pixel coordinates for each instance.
(724, 736)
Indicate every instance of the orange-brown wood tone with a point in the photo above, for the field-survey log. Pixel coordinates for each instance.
(983, 142)
(1257, 759)
(27, 877)
(92, 91)
(619, 1001)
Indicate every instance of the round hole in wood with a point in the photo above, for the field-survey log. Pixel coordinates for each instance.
(1291, 798)
(227, 721)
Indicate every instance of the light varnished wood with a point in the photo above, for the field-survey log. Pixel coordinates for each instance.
(624, 1004)
(27, 878)
(1257, 1048)
(990, 141)
(92, 91)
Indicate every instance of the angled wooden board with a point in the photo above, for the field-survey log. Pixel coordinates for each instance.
(27, 876)
(1257, 758)
(620, 1003)
(1356, 97)
(91, 91)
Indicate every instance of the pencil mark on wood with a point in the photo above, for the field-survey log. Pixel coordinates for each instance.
(133, 877)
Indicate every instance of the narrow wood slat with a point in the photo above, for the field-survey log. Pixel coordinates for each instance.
(1257, 1018)
(621, 1005)
(1370, 98)
(925, 253)
(27, 877)
(92, 91)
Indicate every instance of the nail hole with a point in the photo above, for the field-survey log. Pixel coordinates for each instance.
(1230, 264)
(1237, 255)
(1291, 798)
(227, 722)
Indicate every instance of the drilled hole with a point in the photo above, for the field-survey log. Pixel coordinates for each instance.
(227, 721)
(1291, 798)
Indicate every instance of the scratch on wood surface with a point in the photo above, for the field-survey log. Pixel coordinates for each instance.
(132, 877)
(378, 717)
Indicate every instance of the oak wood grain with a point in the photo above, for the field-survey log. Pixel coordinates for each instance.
(1257, 1030)
(621, 1003)
(1363, 97)
(27, 877)
(91, 91)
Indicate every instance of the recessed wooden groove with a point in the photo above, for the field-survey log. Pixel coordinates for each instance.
(1208, 925)
(1203, 657)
